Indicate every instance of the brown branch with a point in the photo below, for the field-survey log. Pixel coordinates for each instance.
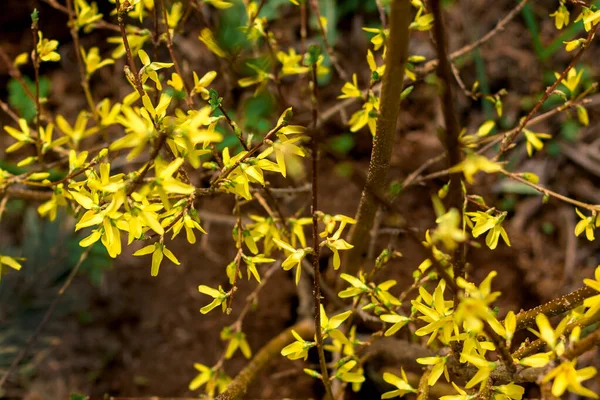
(334, 61)
(188, 99)
(452, 134)
(551, 193)
(423, 392)
(554, 307)
(83, 76)
(587, 343)
(397, 53)
(537, 345)
(238, 387)
(136, 81)
(509, 139)
(431, 65)
(315, 234)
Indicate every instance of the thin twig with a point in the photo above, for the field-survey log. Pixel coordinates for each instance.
(509, 139)
(47, 316)
(315, 235)
(135, 78)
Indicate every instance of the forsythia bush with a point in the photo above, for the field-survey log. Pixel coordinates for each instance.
(170, 123)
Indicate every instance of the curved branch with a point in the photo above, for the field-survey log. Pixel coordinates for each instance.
(238, 387)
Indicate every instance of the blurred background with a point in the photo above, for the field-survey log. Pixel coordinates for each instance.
(119, 331)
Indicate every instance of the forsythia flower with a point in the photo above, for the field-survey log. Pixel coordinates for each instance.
(46, 49)
(350, 90)
(439, 368)
(474, 163)
(380, 35)
(206, 37)
(572, 80)
(561, 16)
(298, 349)
(437, 313)
(566, 377)
(587, 224)
(212, 378)
(92, 60)
(237, 340)
(291, 63)
(508, 392)
(11, 262)
(485, 222)
(219, 297)
(158, 251)
(294, 259)
(534, 140)
(593, 302)
(402, 385)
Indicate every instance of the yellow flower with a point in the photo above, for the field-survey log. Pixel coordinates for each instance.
(46, 49)
(139, 131)
(422, 22)
(50, 207)
(485, 222)
(78, 131)
(8, 261)
(463, 395)
(486, 128)
(587, 224)
(366, 116)
(201, 84)
(350, 90)
(174, 15)
(484, 368)
(572, 80)
(22, 136)
(547, 334)
(213, 379)
(219, 4)
(298, 349)
(291, 63)
(135, 39)
(439, 368)
(294, 259)
(21, 59)
(573, 44)
(474, 163)
(92, 60)
(358, 286)
(87, 14)
(402, 385)
(561, 16)
(508, 392)
(206, 37)
(533, 140)
(380, 36)
(237, 340)
(593, 302)
(437, 313)
(219, 297)
(149, 68)
(589, 18)
(566, 377)
(448, 230)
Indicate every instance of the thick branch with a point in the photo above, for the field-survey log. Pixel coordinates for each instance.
(238, 387)
(397, 53)
(554, 307)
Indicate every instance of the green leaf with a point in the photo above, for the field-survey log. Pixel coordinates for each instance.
(18, 99)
